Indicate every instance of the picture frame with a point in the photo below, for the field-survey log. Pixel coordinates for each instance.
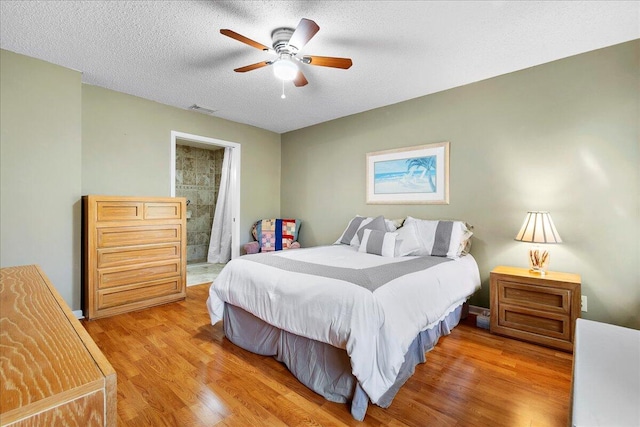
(410, 175)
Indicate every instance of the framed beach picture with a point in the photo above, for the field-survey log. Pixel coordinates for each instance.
(411, 175)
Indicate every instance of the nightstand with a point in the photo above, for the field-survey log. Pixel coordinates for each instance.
(541, 309)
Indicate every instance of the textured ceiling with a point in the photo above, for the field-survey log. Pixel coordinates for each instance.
(172, 51)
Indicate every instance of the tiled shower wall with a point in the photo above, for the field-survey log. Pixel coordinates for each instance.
(198, 179)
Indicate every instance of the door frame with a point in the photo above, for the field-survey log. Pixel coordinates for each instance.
(234, 183)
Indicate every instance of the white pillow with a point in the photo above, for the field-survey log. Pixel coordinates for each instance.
(390, 225)
(378, 243)
(440, 238)
(393, 224)
(409, 242)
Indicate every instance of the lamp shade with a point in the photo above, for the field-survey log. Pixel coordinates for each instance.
(285, 69)
(538, 228)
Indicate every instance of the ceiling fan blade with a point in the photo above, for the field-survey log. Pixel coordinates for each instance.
(243, 39)
(253, 66)
(328, 61)
(300, 80)
(305, 30)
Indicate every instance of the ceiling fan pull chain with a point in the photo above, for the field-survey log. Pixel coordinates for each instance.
(283, 96)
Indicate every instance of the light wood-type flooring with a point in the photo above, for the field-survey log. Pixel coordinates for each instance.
(175, 369)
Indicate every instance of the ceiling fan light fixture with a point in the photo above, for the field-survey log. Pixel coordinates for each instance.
(285, 69)
(287, 43)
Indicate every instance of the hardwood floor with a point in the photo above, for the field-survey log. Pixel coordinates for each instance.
(175, 369)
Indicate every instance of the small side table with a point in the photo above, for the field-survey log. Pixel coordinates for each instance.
(541, 309)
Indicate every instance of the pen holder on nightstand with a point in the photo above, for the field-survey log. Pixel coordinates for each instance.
(538, 260)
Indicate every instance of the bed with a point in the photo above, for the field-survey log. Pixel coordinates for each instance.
(349, 324)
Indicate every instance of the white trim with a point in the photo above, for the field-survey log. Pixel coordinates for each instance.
(478, 311)
(234, 192)
(78, 314)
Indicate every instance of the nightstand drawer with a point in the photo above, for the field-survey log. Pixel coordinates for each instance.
(536, 297)
(535, 321)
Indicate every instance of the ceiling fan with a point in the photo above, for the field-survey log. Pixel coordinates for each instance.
(287, 43)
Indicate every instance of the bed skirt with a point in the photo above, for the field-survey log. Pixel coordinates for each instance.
(322, 367)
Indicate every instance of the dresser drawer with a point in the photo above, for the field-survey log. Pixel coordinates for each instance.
(139, 235)
(555, 300)
(168, 210)
(119, 211)
(117, 276)
(113, 257)
(138, 293)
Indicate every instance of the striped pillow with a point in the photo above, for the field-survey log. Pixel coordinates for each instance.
(378, 243)
(440, 238)
(353, 233)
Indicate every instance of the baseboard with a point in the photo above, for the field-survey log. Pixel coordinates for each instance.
(198, 284)
(78, 314)
(474, 309)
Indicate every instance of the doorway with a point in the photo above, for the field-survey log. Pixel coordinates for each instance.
(201, 142)
(198, 176)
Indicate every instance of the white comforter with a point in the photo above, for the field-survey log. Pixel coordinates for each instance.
(375, 328)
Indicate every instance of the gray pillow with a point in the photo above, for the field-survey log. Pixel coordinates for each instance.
(376, 224)
(351, 230)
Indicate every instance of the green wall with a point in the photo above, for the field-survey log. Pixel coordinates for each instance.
(126, 151)
(62, 139)
(561, 137)
(40, 147)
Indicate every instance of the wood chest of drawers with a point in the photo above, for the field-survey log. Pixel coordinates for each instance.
(538, 308)
(53, 374)
(134, 253)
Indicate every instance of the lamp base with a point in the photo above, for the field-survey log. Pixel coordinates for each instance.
(538, 261)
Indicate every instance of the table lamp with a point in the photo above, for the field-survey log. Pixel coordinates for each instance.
(538, 228)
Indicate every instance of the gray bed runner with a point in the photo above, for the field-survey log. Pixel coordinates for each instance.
(369, 278)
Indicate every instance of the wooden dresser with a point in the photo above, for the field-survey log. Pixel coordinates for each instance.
(538, 308)
(134, 253)
(52, 373)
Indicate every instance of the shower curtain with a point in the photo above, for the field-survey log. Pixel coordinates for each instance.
(220, 244)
